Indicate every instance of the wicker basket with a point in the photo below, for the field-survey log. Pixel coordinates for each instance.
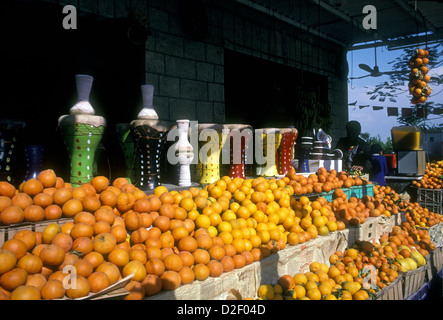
(413, 280)
(394, 291)
(437, 259)
(430, 196)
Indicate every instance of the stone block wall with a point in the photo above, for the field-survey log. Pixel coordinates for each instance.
(188, 74)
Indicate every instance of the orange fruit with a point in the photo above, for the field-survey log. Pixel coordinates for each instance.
(32, 187)
(100, 183)
(7, 189)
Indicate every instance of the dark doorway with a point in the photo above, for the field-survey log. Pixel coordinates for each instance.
(40, 62)
(265, 94)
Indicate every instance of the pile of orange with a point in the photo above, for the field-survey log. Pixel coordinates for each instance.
(47, 197)
(95, 243)
(419, 77)
(340, 281)
(408, 235)
(165, 239)
(390, 198)
(432, 179)
(358, 273)
(322, 181)
(418, 216)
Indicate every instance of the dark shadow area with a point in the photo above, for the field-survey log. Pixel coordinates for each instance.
(40, 62)
(266, 94)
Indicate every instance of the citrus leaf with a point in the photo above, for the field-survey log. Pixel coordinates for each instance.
(77, 253)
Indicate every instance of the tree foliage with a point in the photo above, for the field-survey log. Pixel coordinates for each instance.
(399, 81)
(386, 145)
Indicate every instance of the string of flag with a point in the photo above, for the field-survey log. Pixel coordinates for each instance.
(403, 112)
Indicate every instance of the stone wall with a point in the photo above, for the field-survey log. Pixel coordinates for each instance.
(189, 74)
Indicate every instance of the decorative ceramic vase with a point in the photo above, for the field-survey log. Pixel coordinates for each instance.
(239, 137)
(150, 136)
(209, 151)
(170, 170)
(82, 135)
(34, 160)
(271, 138)
(184, 152)
(82, 131)
(130, 152)
(304, 152)
(288, 137)
(10, 131)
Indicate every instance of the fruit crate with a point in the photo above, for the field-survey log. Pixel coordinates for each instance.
(8, 232)
(429, 268)
(393, 291)
(436, 208)
(365, 231)
(360, 191)
(413, 280)
(437, 259)
(430, 196)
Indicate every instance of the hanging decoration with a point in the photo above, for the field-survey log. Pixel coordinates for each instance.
(419, 77)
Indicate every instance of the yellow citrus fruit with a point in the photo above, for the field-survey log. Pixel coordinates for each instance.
(202, 221)
(188, 204)
(228, 215)
(212, 231)
(300, 279)
(314, 294)
(158, 191)
(323, 230)
(304, 200)
(224, 226)
(299, 291)
(330, 297)
(226, 237)
(266, 291)
(278, 289)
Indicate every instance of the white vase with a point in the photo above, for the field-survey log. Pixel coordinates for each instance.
(147, 112)
(184, 152)
(83, 84)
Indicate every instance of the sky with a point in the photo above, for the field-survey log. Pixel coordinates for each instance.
(377, 122)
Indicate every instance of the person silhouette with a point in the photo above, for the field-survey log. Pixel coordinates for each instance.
(356, 151)
(379, 165)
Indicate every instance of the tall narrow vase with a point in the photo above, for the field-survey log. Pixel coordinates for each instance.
(184, 152)
(34, 160)
(82, 135)
(240, 135)
(10, 131)
(210, 145)
(271, 138)
(150, 138)
(130, 152)
(288, 137)
(82, 131)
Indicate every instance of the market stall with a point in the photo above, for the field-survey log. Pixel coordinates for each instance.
(203, 152)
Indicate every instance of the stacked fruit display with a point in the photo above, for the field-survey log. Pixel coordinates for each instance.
(433, 177)
(418, 216)
(390, 198)
(358, 273)
(322, 181)
(165, 239)
(419, 77)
